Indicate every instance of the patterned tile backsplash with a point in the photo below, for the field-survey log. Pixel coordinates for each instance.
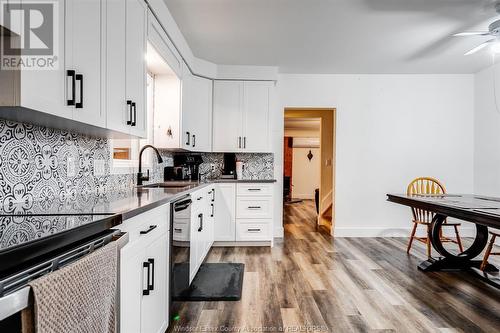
(39, 165)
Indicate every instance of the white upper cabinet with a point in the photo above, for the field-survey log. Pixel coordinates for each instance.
(241, 116)
(83, 56)
(117, 111)
(43, 90)
(227, 116)
(256, 116)
(196, 112)
(73, 90)
(126, 26)
(137, 19)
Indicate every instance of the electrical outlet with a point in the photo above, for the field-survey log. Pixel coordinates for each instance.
(98, 167)
(70, 166)
(212, 167)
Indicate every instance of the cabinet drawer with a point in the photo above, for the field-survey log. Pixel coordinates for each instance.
(256, 208)
(181, 232)
(254, 189)
(252, 231)
(145, 223)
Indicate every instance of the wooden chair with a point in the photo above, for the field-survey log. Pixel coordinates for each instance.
(488, 252)
(428, 185)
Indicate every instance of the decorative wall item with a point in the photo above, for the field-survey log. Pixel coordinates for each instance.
(41, 168)
(310, 155)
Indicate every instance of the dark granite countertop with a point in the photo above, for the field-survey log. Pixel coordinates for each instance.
(128, 204)
(43, 219)
(243, 181)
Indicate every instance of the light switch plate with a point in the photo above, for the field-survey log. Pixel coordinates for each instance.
(70, 166)
(99, 167)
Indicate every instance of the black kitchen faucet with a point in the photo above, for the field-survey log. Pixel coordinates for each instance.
(140, 177)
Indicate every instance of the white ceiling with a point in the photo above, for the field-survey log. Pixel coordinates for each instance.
(337, 36)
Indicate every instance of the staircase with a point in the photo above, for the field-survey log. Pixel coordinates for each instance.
(325, 218)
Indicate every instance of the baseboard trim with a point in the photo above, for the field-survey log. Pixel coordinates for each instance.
(247, 243)
(395, 232)
(279, 232)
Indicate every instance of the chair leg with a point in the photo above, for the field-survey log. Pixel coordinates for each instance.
(484, 263)
(411, 237)
(428, 242)
(459, 241)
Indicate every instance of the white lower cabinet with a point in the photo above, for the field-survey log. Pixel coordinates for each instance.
(154, 316)
(225, 212)
(252, 230)
(202, 228)
(243, 212)
(144, 280)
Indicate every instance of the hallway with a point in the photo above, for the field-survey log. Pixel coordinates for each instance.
(346, 285)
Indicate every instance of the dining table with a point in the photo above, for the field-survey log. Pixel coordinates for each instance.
(482, 211)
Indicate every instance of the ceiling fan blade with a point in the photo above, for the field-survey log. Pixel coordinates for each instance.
(472, 33)
(479, 47)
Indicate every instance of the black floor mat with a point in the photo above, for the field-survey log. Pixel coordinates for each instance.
(213, 282)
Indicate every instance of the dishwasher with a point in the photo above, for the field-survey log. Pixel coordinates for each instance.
(180, 259)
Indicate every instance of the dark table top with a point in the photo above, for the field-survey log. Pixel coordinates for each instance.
(472, 208)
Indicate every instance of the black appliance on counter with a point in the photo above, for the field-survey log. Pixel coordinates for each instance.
(229, 168)
(186, 167)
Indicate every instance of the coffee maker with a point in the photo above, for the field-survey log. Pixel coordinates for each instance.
(186, 167)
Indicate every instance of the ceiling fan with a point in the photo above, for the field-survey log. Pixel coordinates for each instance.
(493, 31)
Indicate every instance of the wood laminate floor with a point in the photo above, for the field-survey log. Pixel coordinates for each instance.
(309, 282)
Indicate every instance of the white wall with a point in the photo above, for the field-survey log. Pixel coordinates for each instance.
(390, 129)
(305, 173)
(487, 133)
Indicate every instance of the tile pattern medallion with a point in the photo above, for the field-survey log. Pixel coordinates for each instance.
(43, 168)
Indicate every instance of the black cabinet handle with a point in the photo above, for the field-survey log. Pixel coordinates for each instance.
(212, 215)
(135, 114)
(152, 285)
(151, 228)
(239, 142)
(254, 207)
(213, 195)
(245, 142)
(146, 265)
(199, 198)
(194, 140)
(71, 73)
(200, 228)
(189, 139)
(79, 77)
(254, 189)
(129, 106)
(253, 230)
(178, 230)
